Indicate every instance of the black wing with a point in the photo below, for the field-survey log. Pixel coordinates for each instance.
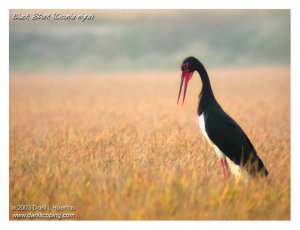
(232, 140)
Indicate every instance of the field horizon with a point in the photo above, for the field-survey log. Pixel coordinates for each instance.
(117, 147)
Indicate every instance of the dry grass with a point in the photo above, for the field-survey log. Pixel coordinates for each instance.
(116, 146)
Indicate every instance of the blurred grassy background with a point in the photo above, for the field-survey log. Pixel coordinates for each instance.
(118, 40)
(116, 146)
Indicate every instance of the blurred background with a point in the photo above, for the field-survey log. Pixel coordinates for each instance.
(131, 40)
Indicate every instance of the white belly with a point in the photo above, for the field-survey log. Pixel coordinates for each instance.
(235, 169)
(202, 127)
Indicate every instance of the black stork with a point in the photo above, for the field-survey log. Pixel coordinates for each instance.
(228, 139)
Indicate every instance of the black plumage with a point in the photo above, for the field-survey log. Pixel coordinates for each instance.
(221, 129)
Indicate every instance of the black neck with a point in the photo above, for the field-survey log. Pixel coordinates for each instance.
(206, 96)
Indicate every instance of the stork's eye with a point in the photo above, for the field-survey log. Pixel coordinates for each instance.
(186, 66)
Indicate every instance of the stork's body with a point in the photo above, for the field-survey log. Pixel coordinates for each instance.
(227, 138)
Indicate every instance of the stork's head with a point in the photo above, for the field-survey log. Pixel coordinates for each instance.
(188, 67)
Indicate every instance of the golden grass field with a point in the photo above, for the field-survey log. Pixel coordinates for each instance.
(116, 145)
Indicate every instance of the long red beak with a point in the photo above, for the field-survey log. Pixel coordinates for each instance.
(186, 76)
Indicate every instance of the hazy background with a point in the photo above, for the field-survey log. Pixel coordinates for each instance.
(130, 40)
